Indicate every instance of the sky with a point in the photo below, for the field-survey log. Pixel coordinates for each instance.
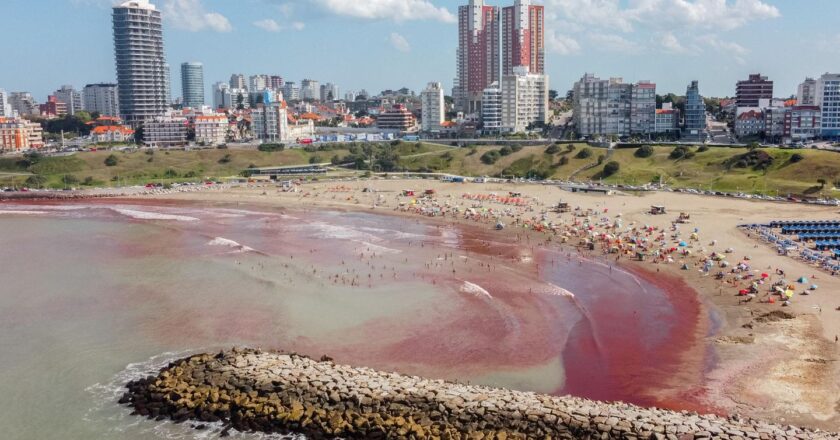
(389, 44)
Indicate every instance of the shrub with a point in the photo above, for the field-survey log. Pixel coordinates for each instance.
(585, 153)
(271, 147)
(69, 179)
(506, 151)
(516, 148)
(564, 160)
(644, 151)
(170, 174)
(703, 149)
(679, 152)
(225, 159)
(758, 160)
(796, 158)
(490, 157)
(552, 149)
(611, 168)
(36, 181)
(601, 159)
(111, 161)
(315, 159)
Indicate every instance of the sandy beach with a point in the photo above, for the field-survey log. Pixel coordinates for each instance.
(762, 364)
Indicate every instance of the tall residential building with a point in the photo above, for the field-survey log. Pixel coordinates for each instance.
(310, 90)
(23, 103)
(613, 107)
(350, 96)
(478, 63)
(803, 123)
(167, 84)
(5, 106)
(828, 98)
(237, 81)
(276, 82)
(695, 114)
(643, 108)
(102, 99)
(71, 97)
(523, 37)
(806, 93)
(291, 91)
(258, 83)
(141, 70)
(192, 84)
(432, 108)
(222, 98)
(748, 92)
(270, 123)
(491, 109)
(524, 100)
(329, 92)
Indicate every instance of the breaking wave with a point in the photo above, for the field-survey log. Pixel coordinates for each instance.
(221, 241)
(475, 290)
(144, 215)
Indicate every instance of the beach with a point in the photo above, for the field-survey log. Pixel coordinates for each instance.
(784, 370)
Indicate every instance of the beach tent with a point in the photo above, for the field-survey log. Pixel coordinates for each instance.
(802, 280)
(683, 244)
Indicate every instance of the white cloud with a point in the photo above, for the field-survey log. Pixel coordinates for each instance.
(396, 10)
(671, 43)
(191, 15)
(399, 42)
(620, 15)
(728, 47)
(272, 26)
(561, 44)
(268, 25)
(614, 43)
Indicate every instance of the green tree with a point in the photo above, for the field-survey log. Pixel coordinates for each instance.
(644, 151)
(611, 168)
(585, 153)
(111, 161)
(36, 181)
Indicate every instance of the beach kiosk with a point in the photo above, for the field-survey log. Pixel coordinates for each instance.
(657, 210)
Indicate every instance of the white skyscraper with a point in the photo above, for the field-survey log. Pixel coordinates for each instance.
(258, 83)
(141, 68)
(432, 108)
(806, 93)
(524, 99)
(237, 81)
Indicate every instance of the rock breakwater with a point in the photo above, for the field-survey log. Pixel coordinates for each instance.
(251, 390)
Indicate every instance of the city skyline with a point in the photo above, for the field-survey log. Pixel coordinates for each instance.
(412, 42)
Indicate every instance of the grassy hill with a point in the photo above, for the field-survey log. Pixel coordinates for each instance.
(720, 169)
(715, 168)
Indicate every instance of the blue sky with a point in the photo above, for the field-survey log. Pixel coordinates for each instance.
(378, 44)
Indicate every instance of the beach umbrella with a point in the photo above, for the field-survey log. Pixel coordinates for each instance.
(683, 244)
(802, 280)
(764, 275)
(789, 293)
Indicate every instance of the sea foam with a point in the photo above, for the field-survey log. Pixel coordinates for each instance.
(221, 241)
(144, 215)
(475, 289)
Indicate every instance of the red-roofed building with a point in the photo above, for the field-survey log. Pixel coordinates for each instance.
(397, 118)
(750, 123)
(211, 130)
(111, 134)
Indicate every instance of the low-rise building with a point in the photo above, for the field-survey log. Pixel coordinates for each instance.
(166, 132)
(18, 134)
(667, 119)
(802, 123)
(774, 123)
(397, 118)
(211, 130)
(111, 134)
(750, 123)
(53, 108)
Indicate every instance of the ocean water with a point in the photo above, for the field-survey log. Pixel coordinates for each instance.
(94, 294)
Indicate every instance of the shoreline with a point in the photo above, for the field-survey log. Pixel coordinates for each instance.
(756, 367)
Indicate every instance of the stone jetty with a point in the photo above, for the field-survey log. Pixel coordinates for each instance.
(251, 390)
